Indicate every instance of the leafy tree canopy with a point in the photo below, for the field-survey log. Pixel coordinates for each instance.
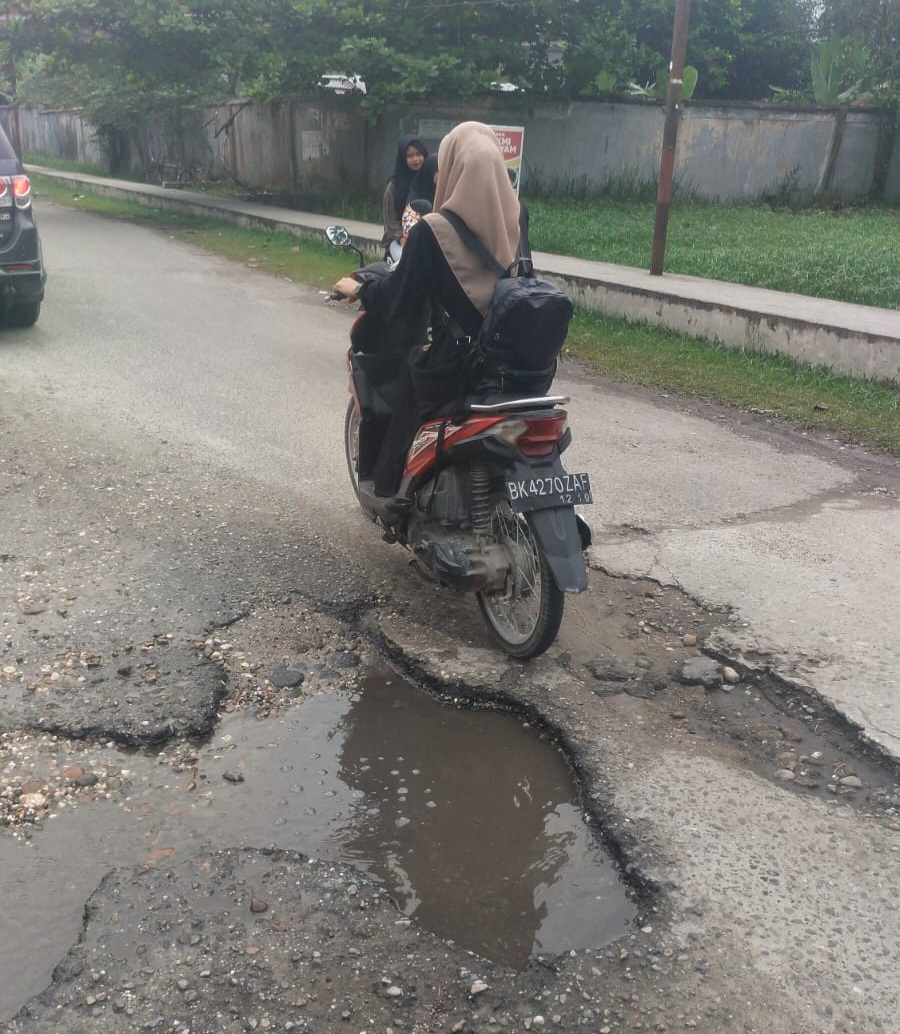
(874, 26)
(123, 60)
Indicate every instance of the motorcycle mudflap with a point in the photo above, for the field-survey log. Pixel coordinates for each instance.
(556, 531)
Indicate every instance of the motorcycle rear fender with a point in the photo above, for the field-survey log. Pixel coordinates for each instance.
(557, 530)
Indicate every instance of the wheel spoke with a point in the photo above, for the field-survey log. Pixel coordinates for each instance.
(516, 612)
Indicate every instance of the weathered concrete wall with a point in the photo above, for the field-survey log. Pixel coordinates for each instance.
(257, 147)
(326, 147)
(60, 133)
(737, 152)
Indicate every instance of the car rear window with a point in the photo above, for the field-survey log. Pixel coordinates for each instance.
(6, 148)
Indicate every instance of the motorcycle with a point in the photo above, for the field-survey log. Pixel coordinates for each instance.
(484, 504)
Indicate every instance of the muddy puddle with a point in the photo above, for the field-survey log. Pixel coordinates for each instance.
(468, 818)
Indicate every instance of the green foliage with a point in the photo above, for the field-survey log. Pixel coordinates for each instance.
(124, 61)
(875, 25)
(659, 90)
(739, 46)
(838, 71)
(121, 61)
(603, 85)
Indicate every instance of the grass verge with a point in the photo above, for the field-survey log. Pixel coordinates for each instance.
(848, 254)
(810, 398)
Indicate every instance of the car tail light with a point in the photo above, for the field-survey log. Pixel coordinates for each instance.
(21, 188)
(15, 190)
(542, 434)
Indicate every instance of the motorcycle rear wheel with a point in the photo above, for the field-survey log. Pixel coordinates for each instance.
(351, 444)
(524, 617)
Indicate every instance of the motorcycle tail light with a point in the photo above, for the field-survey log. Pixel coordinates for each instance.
(509, 431)
(542, 434)
(21, 188)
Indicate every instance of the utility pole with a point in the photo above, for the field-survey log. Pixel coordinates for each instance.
(670, 135)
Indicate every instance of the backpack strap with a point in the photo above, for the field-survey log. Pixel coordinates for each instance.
(474, 244)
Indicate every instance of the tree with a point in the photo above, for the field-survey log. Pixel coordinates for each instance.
(876, 25)
(739, 47)
(124, 60)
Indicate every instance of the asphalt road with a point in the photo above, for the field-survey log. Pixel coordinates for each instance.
(800, 538)
(171, 436)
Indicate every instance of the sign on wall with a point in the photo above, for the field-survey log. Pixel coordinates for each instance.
(510, 138)
(434, 128)
(512, 143)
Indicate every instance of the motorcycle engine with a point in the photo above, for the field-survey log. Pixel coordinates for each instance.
(441, 538)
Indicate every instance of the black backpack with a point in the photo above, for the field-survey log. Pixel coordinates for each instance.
(526, 324)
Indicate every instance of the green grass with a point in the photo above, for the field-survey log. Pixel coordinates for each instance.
(809, 398)
(65, 165)
(849, 254)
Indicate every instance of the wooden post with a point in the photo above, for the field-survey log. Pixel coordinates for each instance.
(670, 135)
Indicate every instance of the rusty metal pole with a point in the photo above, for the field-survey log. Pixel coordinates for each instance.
(670, 135)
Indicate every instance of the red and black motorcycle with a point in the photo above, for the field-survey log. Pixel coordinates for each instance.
(485, 504)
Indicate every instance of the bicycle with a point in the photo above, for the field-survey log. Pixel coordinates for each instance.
(168, 173)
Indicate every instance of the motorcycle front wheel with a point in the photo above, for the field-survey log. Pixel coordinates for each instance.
(351, 444)
(524, 617)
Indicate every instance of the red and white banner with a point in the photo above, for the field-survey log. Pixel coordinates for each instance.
(512, 144)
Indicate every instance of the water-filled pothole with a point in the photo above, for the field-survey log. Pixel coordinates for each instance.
(470, 819)
(472, 822)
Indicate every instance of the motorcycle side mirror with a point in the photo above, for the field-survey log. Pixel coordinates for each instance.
(421, 206)
(339, 236)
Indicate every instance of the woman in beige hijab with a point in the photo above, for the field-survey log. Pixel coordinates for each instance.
(439, 272)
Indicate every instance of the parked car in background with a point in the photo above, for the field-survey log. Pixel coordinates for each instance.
(22, 273)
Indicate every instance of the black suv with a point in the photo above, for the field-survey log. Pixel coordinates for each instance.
(22, 273)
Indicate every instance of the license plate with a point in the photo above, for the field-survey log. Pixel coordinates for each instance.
(541, 493)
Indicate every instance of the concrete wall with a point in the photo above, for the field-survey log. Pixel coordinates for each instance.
(739, 152)
(60, 133)
(325, 147)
